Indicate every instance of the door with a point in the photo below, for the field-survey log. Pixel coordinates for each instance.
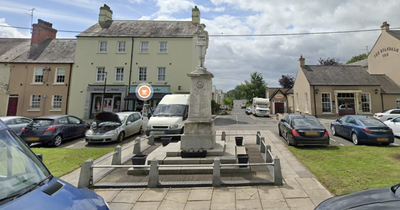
(12, 106)
(108, 105)
(279, 108)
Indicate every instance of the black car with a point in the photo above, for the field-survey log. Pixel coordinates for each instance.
(53, 130)
(381, 198)
(299, 130)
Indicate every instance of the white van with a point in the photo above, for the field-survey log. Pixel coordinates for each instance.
(169, 116)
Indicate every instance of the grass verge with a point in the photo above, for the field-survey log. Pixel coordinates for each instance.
(61, 161)
(350, 169)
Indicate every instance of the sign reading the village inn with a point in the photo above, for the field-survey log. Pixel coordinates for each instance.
(385, 51)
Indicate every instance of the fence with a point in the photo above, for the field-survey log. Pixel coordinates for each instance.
(273, 163)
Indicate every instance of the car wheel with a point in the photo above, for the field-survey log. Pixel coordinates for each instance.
(57, 141)
(354, 138)
(333, 129)
(121, 136)
(287, 140)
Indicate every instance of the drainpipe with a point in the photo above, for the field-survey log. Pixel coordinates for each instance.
(69, 85)
(315, 107)
(130, 75)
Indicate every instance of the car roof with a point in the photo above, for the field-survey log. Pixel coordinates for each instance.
(301, 116)
(125, 113)
(50, 117)
(5, 118)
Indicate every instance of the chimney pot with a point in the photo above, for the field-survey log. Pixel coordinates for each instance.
(385, 26)
(105, 16)
(195, 15)
(41, 31)
(302, 61)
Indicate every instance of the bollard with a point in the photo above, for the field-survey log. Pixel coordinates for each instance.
(216, 173)
(262, 145)
(258, 138)
(86, 175)
(277, 171)
(116, 159)
(223, 137)
(153, 174)
(151, 140)
(268, 157)
(136, 147)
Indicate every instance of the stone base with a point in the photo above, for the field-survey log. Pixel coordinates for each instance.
(198, 136)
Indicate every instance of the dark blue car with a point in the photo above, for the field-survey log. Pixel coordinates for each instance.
(362, 129)
(26, 183)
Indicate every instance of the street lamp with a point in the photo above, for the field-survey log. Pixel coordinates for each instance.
(104, 90)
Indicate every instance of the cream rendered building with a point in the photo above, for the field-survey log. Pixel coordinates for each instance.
(114, 56)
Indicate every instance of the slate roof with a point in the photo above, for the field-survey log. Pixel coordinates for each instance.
(49, 51)
(394, 33)
(345, 75)
(290, 91)
(12, 47)
(142, 28)
(388, 86)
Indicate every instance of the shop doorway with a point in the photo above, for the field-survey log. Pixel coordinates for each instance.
(279, 107)
(346, 104)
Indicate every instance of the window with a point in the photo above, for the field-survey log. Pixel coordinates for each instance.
(38, 75)
(297, 101)
(35, 101)
(57, 101)
(119, 74)
(101, 74)
(63, 120)
(142, 73)
(306, 97)
(326, 102)
(103, 46)
(121, 47)
(365, 102)
(60, 75)
(74, 120)
(163, 47)
(398, 103)
(144, 47)
(161, 74)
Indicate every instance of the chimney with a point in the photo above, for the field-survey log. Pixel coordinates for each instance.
(302, 61)
(105, 16)
(41, 31)
(195, 15)
(385, 26)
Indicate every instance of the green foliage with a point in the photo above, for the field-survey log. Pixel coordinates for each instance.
(228, 101)
(287, 81)
(329, 62)
(255, 88)
(357, 58)
(214, 106)
(224, 113)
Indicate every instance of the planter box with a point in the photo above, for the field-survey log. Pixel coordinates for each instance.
(139, 159)
(242, 159)
(165, 141)
(193, 153)
(239, 141)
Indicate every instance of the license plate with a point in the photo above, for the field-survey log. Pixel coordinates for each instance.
(32, 139)
(311, 133)
(382, 139)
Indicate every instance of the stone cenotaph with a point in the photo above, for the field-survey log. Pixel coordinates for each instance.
(199, 131)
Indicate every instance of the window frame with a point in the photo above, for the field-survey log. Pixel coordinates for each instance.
(144, 74)
(121, 49)
(164, 75)
(330, 102)
(119, 75)
(144, 49)
(57, 76)
(53, 102)
(39, 77)
(35, 100)
(368, 102)
(100, 74)
(102, 49)
(162, 49)
(398, 103)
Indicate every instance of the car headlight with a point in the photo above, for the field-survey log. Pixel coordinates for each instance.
(173, 126)
(89, 132)
(112, 132)
(148, 127)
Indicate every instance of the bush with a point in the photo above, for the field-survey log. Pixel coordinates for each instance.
(214, 107)
(224, 113)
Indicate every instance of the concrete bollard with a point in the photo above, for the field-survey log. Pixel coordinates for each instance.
(136, 147)
(262, 145)
(268, 157)
(153, 174)
(116, 159)
(277, 171)
(151, 140)
(258, 137)
(223, 136)
(86, 175)
(216, 173)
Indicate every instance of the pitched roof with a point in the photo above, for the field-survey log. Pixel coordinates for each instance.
(141, 28)
(338, 75)
(49, 51)
(394, 33)
(12, 47)
(388, 86)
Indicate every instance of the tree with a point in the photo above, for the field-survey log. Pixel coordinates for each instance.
(329, 62)
(357, 58)
(255, 88)
(286, 81)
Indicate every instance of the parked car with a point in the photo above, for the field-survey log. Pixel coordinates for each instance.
(362, 129)
(394, 124)
(387, 115)
(303, 130)
(16, 123)
(223, 107)
(54, 129)
(26, 183)
(248, 110)
(381, 198)
(109, 126)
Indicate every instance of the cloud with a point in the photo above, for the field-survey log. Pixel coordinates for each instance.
(6, 31)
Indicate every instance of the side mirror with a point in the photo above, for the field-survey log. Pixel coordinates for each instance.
(282, 120)
(128, 123)
(40, 156)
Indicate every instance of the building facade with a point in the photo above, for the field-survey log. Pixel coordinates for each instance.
(113, 57)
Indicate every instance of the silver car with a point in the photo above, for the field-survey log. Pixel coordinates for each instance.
(109, 126)
(16, 123)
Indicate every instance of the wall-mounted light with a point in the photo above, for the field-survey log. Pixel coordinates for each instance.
(165, 83)
(149, 82)
(376, 91)
(316, 91)
(179, 87)
(133, 82)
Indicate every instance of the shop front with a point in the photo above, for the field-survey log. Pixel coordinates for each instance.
(100, 98)
(135, 104)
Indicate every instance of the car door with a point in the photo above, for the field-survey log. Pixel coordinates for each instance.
(78, 125)
(396, 126)
(138, 122)
(394, 113)
(285, 126)
(67, 130)
(340, 123)
(348, 127)
(129, 125)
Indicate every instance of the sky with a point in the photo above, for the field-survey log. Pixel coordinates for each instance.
(246, 36)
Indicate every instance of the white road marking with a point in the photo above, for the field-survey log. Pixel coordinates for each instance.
(341, 144)
(333, 140)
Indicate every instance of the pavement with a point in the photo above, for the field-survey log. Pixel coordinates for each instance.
(300, 189)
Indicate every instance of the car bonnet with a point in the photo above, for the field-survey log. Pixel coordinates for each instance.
(107, 117)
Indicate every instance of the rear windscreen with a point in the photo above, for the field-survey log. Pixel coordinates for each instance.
(305, 122)
(42, 122)
(371, 122)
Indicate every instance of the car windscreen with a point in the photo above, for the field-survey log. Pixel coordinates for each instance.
(305, 122)
(41, 122)
(20, 169)
(169, 110)
(262, 106)
(371, 122)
